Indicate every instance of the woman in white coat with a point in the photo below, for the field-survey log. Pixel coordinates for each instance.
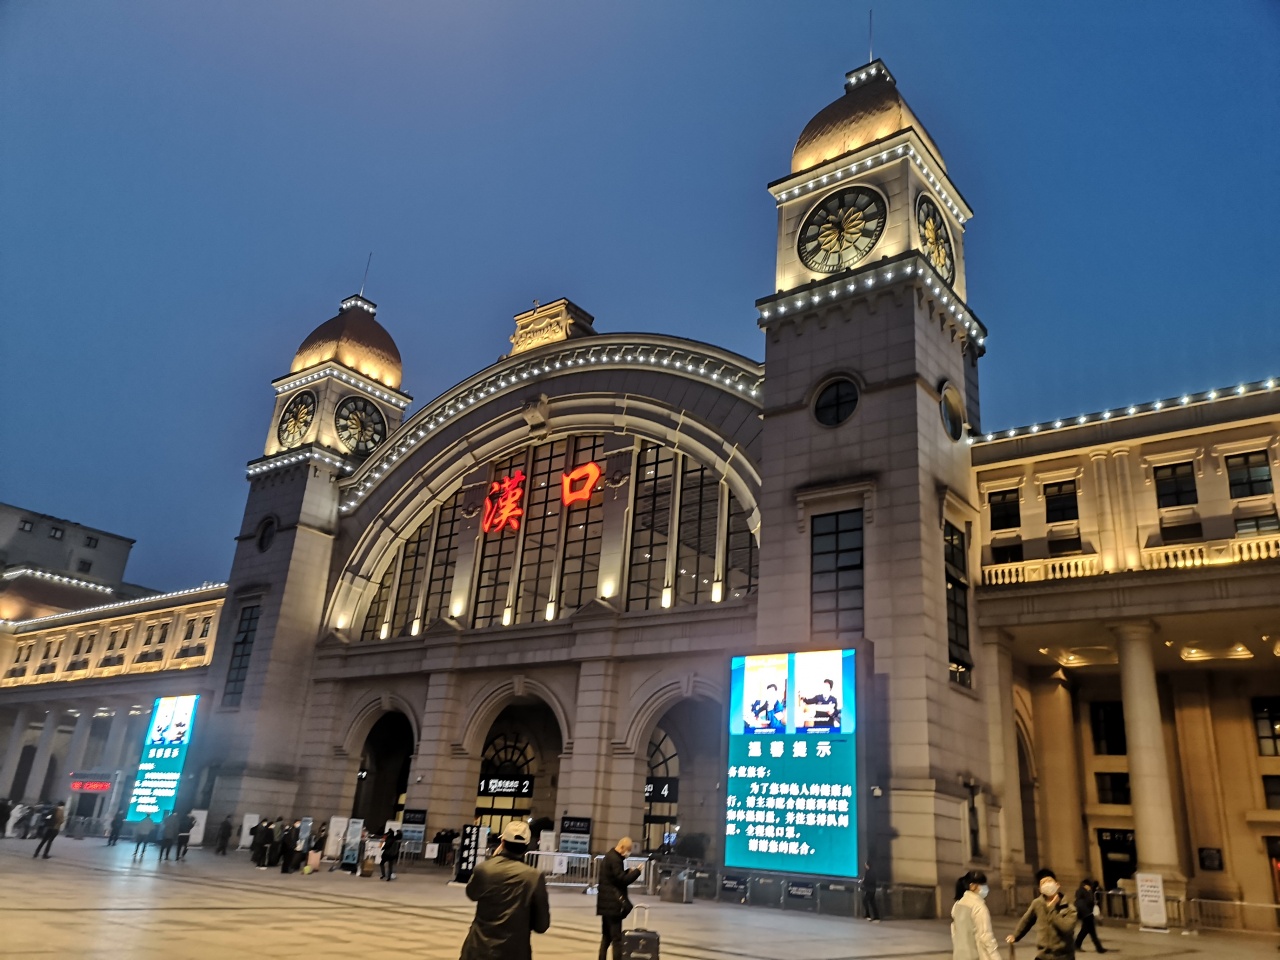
(971, 936)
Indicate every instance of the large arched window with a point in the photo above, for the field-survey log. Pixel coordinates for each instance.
(537, 555)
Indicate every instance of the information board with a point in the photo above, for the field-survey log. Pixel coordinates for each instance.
(662, 789)
(792, 764)
(471, 851)
(164, 753)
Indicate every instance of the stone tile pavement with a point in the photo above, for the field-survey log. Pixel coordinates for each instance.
(92, 901)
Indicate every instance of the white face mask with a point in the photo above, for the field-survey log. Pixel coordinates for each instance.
(1049, 888)
(983, 891)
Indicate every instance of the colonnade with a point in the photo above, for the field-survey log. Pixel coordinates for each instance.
(60, 736)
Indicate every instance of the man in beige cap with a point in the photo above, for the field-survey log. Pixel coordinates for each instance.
(510, 898)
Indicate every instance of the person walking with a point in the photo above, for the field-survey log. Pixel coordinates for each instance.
(5, 810)
(390, 852)
(186, 823)
(117, 824)
(276, 834)
(168, 835)
(224, 836)
(142, 834)
(612, 902)
(1053, 918)
(511, 901)
(50, 826)
(971, 934)
(1086, 907)
(868, 887)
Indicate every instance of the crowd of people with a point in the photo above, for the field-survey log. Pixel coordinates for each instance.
(1051, 915)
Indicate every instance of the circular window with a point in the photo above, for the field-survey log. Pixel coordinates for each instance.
(836, 402)
(952, 412)
(266, 533)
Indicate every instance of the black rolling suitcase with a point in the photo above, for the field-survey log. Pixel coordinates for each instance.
(640, 943)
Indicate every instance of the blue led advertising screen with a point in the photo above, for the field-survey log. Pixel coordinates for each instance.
(792, 777)
(164, 751)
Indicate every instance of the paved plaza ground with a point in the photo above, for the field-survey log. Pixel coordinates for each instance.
(91, 901)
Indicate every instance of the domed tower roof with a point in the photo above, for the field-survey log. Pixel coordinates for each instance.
(356, 340)
(870, 110)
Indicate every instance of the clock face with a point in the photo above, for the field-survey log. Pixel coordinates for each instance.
(842, 229)
(360, 424)
(296, 419)
(935, 239)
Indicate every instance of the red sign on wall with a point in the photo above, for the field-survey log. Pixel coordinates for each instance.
(578, 484)
(90, 786)
(502, 506)
(502, 509)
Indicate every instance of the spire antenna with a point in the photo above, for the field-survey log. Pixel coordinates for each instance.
(366, 273)
(871, 34)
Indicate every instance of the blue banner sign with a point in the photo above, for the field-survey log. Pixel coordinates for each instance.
(792, 802)
(164, 752)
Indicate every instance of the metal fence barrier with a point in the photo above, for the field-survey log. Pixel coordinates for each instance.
(565, 869)
(1233, 915)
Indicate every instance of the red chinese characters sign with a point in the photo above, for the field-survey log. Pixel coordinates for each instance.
(502, 508)
(502, 505)
(90, 786)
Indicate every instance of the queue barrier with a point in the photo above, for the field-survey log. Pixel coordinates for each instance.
(1233, 915)
(565, 869)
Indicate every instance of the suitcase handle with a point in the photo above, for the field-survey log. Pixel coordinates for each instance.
(635, 910)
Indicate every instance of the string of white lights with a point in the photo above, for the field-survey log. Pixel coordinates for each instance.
(876, 160)
(909, 265)
(16, 572)
(360, 302)
(155, 597)
(1133, 410)
(281, 460)
(684, 359)
(356, 382)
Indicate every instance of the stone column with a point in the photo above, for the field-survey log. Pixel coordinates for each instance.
(13, 750)
(1153, 822)
(447, 790)
(1002, 739)
(1058, 779)
(1106, 526)
(1200, 762)
(113, 756)
(588, 786)
(1128, 549)
(40, 763)
(76, 748)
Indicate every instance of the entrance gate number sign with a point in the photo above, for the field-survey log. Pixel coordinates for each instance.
(506, 787)
(662, 790)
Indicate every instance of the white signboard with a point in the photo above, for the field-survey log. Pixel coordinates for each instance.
(1151, 909)
(333, 842)
(246, 831)
(197, 831)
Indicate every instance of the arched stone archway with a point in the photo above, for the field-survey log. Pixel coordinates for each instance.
(383, 776)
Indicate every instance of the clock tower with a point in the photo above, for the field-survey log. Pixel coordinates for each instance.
(339, 401)
(868, 503)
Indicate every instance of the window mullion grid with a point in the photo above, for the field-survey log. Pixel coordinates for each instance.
(673, 530)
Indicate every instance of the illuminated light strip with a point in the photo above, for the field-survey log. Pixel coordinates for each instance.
(883, 157)
(723, 373)
(283, 460)
(855, 77)
(360, 302)
(1133, 410)
(72, 614)
(914, 265)
(356, 382)
(55, 578)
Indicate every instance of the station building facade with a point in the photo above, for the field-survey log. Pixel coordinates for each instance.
(521, 598)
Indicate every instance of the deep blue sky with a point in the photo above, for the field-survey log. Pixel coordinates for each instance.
(187, 189)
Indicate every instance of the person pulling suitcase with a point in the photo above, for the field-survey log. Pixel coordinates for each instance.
(612, 902)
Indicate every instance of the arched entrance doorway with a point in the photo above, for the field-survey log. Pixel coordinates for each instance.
(384, 771)
(520, 766)
(684, 758)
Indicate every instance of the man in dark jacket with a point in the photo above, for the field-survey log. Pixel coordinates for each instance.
(51, 826)
(169, 828)
(1054, 919)
(390, 852)
(511, 900)
(186, 823)
(612, 902)
(1085, 904)
(224, 836)
(288, 847)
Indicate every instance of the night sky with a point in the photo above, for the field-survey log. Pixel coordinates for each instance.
(187, 189)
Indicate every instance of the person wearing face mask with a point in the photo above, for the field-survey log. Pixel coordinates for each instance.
(971, 935)
(1054, 918)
